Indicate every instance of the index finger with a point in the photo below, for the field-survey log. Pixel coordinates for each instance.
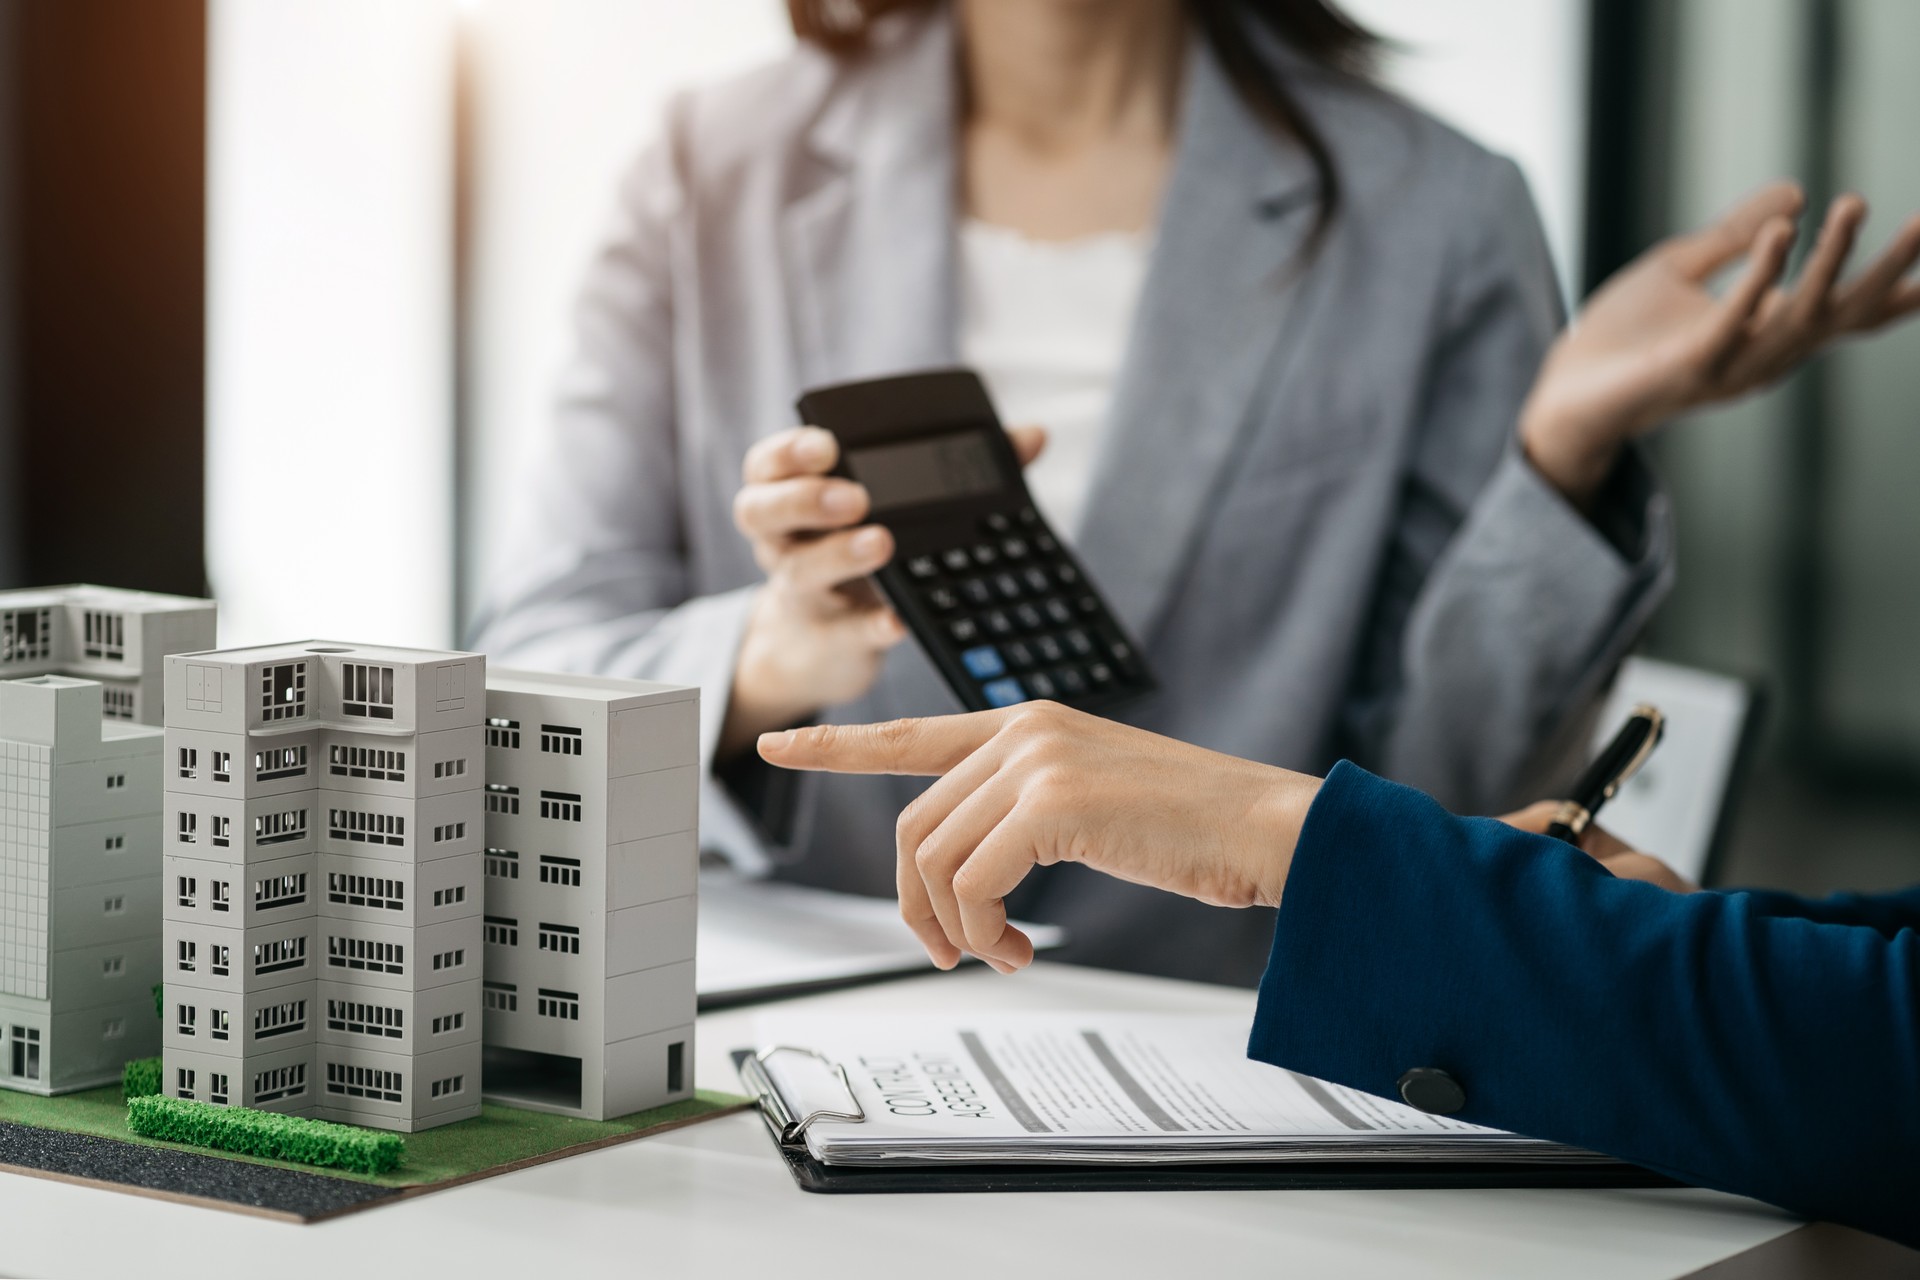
(797, 451)
(925, 746)
(1703, 252)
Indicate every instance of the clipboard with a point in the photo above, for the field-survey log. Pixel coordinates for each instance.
(789, 1130)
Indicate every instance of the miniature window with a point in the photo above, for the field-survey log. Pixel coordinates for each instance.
(503, 733)
(220, 831)
(113, 966)
(360, 1019)
(452, 831)
(217, 1088)
(280, 828)
(116, 843)
(113, 1029)
(116, 781)
(26, 1052)
(564, 806)
(503, 864)
(451, 1022)
(382, 892)
(361, 827)
(189, 828)
(283, 691)
(447, 897)
(220, 959)
(26, 635)
(560, 739)
(563, 938)
(217, 895)
(189, 891)
(183, 1082)
(281, 1082)
(280, 891)
(375, 763)
(502, 997)
(560, 1004)
(363, 1082)
(184, 1023)
(116, 704)
(223, 765)
(360, 953)
(451, 1085)
(218, 1027)
(503, 931)
(279, 955)
(114, 904)
(187, 955)
(366, 690)
(558, 870)
(279, 1019)
(104, 635)
(280, 762)
(450, 768)
(189, 762)
(450, 959)
(676, 1066)
(502, 799)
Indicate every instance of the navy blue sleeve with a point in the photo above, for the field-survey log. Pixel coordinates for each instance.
(1771, 1055)
(1885, 913)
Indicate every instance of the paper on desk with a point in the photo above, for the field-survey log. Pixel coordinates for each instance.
(760, 939)
(1091, 1088)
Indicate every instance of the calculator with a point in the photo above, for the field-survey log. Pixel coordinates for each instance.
(992, 594)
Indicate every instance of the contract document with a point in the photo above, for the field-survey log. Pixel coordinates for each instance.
(1060, 1088)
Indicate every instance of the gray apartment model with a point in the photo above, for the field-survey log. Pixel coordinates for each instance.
(79, 887)
(592, 862)
(322, 881)
(120, 638)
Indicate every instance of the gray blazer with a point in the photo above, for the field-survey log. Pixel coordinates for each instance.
(1310, 508)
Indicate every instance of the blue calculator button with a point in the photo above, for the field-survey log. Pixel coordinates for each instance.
(1004, 693)
(984, 662)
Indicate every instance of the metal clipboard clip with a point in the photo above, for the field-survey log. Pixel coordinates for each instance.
(780, 1118)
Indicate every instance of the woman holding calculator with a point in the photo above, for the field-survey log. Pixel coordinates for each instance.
(1280, 327)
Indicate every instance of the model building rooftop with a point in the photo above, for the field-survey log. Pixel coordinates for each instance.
(588, 688)
(87, 595)
(295, 649)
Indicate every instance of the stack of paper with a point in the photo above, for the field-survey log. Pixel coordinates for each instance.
(1091, 1089)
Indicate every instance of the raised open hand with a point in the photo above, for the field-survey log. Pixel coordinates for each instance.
(1655, 341)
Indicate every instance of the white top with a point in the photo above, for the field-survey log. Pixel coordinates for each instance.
(1045, 324)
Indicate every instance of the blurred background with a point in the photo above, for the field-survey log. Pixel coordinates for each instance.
(284, 291)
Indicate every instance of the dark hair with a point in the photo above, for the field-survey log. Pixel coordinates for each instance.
(1317, 29)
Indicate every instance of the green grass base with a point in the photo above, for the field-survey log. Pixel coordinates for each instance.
(498, 1136)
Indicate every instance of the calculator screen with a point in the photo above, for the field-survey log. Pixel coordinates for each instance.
(959, 465)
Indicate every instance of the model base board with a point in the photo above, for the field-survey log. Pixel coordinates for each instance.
(83, 1137)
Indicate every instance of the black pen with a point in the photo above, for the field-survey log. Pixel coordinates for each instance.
(1603, 778)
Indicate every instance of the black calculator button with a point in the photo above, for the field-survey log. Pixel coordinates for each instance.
(1041, 685)
(998, 623)
(1049, 649)
(977, 590)
(1018, 655)
(943, 599)
(956, 559)
(1029, 516)
(1100, 674)
(985, 554)
(996, 522)
(1014, 548)
(1072, 683)
(1008, 585)
(964, 631)
(1067, 574)
(1045, 543)
(1058, 611)
(922, 567)
(1088, 604)
(1080, 643)
(1030, 617)
(1036, 578)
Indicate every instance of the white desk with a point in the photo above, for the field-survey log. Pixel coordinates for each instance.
(714, 1200)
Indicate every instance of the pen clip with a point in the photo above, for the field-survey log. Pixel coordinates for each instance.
(1647, 744)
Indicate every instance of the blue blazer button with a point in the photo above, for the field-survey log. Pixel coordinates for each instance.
(1432, 1090)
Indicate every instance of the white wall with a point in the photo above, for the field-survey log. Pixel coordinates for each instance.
(329, 473)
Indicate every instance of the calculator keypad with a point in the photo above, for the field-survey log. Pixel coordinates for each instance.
(1021, 615)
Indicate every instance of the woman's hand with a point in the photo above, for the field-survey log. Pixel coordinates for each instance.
(819, 631)
(1622, 859)
(1037, 784)
(1654, 342)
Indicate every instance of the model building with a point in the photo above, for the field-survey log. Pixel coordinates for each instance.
(119, 638)
(591, 866)
(79, 887)
(322, 881)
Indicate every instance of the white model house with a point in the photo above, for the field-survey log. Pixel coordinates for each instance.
(592, 860)
(120, 638)
(322, 881)
(79, 887)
